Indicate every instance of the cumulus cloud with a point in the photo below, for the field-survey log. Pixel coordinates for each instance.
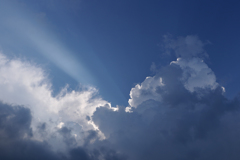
(17, 140)
(193, 74)
(26, 84)
(196, 74)
(15, 133)
(180, 113)
(34, 124)
(146, 90)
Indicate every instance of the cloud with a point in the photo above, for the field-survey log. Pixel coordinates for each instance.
(180, 113)
(146, 90)
(196, 74)
(26, 84)
(17, 140)
(15, 133)
(192, 73)
(34, 124)
(185, 47)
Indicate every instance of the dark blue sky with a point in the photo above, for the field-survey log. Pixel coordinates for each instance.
(117, 41)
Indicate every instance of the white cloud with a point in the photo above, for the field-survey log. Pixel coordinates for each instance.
(144, 91)
(24, 83)
(165, 118)
(196, 74)
(180, 113)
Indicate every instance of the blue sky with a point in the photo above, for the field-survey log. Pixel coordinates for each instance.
(94, 72)
(117, 41)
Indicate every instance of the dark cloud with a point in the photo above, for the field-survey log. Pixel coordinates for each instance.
(96, 154)
(79, 153)
(182, 124)
(15, 135)
(16, 142)
(162, 131)
(14, 122)
(67, 136)
(181, 113)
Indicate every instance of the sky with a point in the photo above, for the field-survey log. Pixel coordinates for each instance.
(113, 80)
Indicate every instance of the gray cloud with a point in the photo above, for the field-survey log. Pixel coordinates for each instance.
(180, 126)
(16, 142)
(180, 113)
(15, 133)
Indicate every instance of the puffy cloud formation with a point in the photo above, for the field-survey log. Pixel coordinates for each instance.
(17, 140)
(26, 84)
(15, 133)
(194, 72)
(145, 91)
(178, 114)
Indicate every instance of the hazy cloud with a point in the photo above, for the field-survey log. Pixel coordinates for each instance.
(185, 47)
